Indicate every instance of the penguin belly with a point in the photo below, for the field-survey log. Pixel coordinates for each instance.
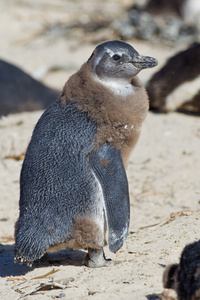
(61, 200)
(89, 226)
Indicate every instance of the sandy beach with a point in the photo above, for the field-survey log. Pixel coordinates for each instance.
(163, 172)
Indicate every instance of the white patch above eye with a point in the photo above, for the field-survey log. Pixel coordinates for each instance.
(109, 51)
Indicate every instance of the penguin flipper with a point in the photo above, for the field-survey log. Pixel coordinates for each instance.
(109, 170)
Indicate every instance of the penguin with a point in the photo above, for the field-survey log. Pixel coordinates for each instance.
(21, 92)
(184, 277)
(73, 184)
(175, 87)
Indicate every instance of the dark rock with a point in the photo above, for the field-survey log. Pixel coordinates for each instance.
(20, 92)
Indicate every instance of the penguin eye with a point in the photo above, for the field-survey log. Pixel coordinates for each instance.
(116, 57)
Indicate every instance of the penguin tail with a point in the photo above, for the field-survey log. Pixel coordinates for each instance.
(29, 247)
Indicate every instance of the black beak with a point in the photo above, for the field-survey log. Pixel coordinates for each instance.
(143, 62)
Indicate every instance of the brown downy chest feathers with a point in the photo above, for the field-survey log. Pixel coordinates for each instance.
(119, 118)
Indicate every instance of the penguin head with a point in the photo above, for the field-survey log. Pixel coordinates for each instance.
(118, 60)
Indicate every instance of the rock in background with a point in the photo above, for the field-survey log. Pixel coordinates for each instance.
(20, 92)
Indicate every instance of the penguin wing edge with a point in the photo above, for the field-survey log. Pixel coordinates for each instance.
(108, 167)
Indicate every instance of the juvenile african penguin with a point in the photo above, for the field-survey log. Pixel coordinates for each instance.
(73, 184)
(184, 277)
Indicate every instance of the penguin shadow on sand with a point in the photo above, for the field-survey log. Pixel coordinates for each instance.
(7, 265)
(65, 257)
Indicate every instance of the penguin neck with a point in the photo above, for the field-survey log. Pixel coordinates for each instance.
(118, 87)
(102, 103)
